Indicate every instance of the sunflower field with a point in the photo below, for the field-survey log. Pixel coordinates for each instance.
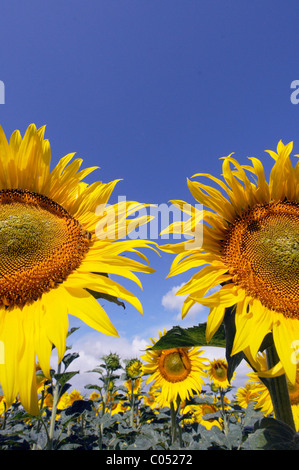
(62, 243)
(121, 413)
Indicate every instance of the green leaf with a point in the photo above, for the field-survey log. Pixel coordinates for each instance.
(141, 443)
(78, 407)
(93, 387)
(69, 358)
(65, 377)
(179, 337)
(98, 370)
(109, 298)
(72, 330)
(278, 435)
(230, 332)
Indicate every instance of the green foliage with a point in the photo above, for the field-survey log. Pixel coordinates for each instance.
(93, 424)
(179, 337)
(276, 435)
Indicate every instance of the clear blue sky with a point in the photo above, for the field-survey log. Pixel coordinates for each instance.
(152, 92)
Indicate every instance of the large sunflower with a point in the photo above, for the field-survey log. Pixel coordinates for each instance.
(251, 251)
(178, 372)
(53, 257)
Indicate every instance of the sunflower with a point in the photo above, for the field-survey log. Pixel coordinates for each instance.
(133, 369)
(247, 394)
(150, 399)
(197, 413)
(73, 396)
(113, 404)
(249, 253)
(217, 372)
(204, 410)
(178, 372)
(136, 385)
(59, 242)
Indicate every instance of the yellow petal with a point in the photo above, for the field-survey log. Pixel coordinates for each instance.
(27, 367)
(43, 346)
(56, 319)
(285, 334)
(83, 305)
(214, 321)
(102, 284)
(227, 296)
(12, 338)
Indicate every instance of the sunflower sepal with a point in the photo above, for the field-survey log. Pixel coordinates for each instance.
(179, 337)
(109, 298)
(233, 360)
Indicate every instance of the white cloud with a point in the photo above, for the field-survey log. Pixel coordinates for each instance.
(172, 302)
(92, 346)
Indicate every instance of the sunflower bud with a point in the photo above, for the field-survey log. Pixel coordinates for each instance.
(134, 369)
(112, 361)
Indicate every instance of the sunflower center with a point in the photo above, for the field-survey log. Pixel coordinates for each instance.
(40, 245)
(220, 373)
(262, 253)
(207, 409)
(174, 365)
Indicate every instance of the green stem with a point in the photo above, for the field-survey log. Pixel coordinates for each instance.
(279, 392)
(54, 411)
(173, 413)
(224, 415)
(132, 403)
(175, 431)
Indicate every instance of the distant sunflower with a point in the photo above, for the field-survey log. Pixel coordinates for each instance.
(150, 399)
(217, 372)
(197, 413)
(251, 249)
(136, 385)
(178, 372)
(204, 410)
(53, 257)
(73, 396)
(247, 394)
(94, 396)
(133, 369)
